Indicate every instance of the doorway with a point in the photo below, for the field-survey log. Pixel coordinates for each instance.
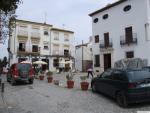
(107, 61)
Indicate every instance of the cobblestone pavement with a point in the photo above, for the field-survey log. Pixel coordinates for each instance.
(42, 97)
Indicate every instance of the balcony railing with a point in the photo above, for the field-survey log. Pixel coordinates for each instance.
(35, 35)
(106, 47)
(23, 33)
(28, 51)
(123, 40)
(61, 53)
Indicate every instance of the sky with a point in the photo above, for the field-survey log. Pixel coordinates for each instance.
(67, 14)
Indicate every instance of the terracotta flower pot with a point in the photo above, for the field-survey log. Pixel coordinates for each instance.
(70, 84)
(84, 86)
(49, 79)
(41, 77)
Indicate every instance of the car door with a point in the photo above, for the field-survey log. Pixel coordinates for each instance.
(103, 81)
(119, 81)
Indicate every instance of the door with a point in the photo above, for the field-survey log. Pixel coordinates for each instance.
(128, 35)
(106, 39)
(45, 66)
(107, 61)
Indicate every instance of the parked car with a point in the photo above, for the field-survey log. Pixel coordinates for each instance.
(20, 72)
(124, 85)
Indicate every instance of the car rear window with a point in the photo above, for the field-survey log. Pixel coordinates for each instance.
(138, 75)
(22, 67)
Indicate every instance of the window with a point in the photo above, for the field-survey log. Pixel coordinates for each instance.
(95, 20)
(130, 54)
(56, 35)
(21, 46)
(97, 61)
(45, 32)
(107, 74)
(118, 75)
(46, 47)
(105, 16)
(35, 48)
(97, 39)
(66, 37)
(127, 8)
(66, 52)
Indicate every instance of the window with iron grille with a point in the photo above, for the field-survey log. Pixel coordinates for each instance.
(130, 54)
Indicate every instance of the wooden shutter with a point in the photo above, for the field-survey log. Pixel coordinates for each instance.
(106, 39)
(128, 35)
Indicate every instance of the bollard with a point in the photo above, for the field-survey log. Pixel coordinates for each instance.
(3, 86)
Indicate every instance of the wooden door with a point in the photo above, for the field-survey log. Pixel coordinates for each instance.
(107, 61)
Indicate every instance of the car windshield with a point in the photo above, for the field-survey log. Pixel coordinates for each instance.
(22, 67)
(138, 75)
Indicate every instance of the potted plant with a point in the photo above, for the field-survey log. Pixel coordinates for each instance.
(84, 83)
(49, 76)
(41, 75)
(70, 82)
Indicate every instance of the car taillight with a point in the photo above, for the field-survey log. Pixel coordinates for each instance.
(132, 85)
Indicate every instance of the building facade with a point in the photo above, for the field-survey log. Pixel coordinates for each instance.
(34, 41)
(121, 30)
(83, 56)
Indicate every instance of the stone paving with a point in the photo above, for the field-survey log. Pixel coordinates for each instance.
(42, 97)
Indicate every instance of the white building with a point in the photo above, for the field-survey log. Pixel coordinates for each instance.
(121, 30)
(34, 41)
(83, 56)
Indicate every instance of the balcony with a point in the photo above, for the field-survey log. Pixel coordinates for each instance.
(61, 53)
(55, 52)
(23, 33)
(106, 47)
(35, 35)
(28, 51)
(124, 42)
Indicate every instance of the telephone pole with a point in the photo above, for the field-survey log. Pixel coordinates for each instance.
(82, 57)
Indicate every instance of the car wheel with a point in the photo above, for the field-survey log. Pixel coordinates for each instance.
(121, 99)
(30, 81)
(13, 82)
(93, 88)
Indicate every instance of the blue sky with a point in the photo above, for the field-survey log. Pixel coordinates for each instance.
(72, 13)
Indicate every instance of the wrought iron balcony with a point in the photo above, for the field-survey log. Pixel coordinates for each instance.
(106, 47)
(28, 51)
(124, 42)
